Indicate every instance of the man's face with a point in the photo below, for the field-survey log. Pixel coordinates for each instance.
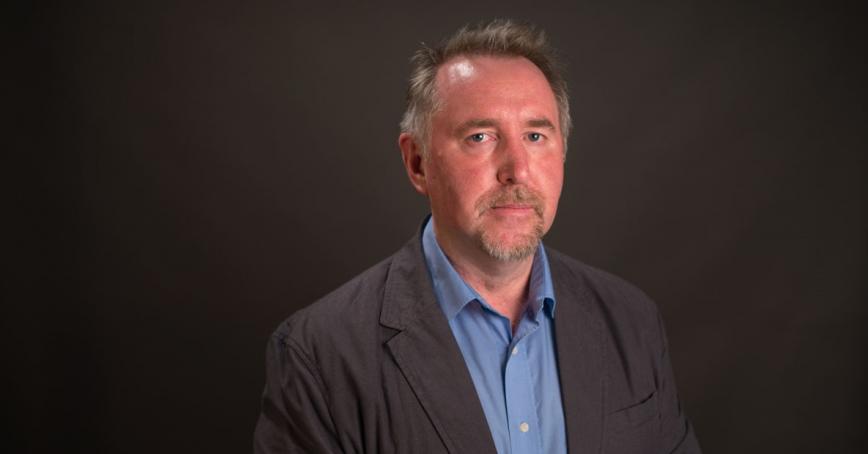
(494, 168)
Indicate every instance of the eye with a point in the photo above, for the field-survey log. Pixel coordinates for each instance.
(478, 137)
(535, 137)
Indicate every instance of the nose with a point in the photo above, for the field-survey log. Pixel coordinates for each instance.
(513, 166)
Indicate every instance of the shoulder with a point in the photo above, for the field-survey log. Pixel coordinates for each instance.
(345, 315)
(612, 297)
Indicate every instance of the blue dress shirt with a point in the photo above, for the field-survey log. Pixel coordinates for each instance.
(516, 376)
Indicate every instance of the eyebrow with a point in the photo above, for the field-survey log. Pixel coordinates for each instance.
(475, 123)
(540, 123)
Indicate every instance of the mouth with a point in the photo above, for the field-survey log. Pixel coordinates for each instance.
(514, 207)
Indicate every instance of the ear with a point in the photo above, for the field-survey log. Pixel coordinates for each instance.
(414, 164)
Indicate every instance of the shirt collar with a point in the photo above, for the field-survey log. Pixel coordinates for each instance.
(453, 293)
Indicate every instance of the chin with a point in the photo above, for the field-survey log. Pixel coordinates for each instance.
(514, 247)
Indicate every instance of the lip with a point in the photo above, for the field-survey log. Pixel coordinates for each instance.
(513, 210)
(513, 206)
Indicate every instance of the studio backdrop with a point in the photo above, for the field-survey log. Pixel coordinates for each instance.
(192, 173)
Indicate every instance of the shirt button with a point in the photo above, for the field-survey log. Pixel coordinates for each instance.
(524, 427)
(514, 351)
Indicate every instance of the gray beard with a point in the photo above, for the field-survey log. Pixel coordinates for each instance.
(526, 246)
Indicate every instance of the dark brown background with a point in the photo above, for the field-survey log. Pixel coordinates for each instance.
(180, 178)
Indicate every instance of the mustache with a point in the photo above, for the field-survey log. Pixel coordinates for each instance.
(508, 196)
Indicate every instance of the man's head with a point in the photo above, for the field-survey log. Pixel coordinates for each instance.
(485, 142)
(498, 37)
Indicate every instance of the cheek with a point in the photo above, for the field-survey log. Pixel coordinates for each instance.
(462, 193)
(449, 190)
(462, 183)
(557, 184)
(553, 185)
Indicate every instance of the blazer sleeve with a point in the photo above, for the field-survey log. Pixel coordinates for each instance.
(295, 415)
(677, 430)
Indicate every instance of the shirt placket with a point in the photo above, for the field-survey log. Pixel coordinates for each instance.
(521, 405)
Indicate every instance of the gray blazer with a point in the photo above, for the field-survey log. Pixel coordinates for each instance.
(373, 368)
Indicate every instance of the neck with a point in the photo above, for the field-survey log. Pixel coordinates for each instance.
(502, 283)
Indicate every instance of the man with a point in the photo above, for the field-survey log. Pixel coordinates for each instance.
(474, 338)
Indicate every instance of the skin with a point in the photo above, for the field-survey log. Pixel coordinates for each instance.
(493, 172)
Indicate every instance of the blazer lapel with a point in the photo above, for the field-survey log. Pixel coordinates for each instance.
(429, 357)
(579, 343)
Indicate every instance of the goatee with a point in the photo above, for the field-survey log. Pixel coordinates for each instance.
(523, 245)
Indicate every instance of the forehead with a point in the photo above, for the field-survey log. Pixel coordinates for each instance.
(468, 83)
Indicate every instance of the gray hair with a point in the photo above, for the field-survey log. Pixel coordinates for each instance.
(498, 37)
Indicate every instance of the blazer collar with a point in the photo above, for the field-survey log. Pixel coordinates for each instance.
(580, 351)
(428, 355)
